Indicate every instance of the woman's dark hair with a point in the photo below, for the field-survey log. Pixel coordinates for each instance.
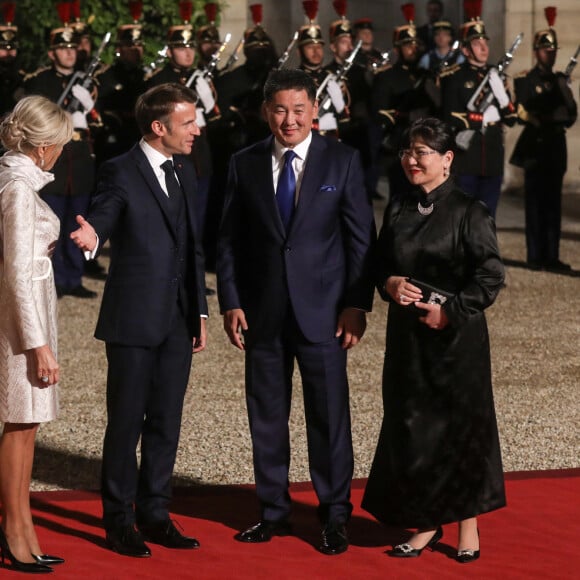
(433, 132)
(289, 79)
(159, 102)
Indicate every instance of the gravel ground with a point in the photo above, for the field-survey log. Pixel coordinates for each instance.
(534, 328)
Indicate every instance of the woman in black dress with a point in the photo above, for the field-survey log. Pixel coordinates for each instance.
(438, 457)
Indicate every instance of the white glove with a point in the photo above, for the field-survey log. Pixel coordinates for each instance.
(205, 94)
(498, 89)
(490, 115)
(84, 97)
(79, 120)
(327, 122)
(335, 93)
(199, 118)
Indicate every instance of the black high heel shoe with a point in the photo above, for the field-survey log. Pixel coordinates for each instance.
(466, 556)
(407, 551)
(48, 560)
(17, 565)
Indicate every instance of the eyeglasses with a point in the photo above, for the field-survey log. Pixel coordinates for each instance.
(416, 154)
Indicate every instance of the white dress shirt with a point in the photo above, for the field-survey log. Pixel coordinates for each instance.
(298, 163)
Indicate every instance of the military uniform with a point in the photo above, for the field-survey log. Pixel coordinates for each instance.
(11, 76)
(546, 108)
(69, 194)
(479, 163)
(401, 94)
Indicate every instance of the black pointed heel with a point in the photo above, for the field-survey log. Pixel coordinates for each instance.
(407, 551)
(466, 556)
(17, 565)
(47, 559)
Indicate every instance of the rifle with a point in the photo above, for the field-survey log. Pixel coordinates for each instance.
(161, 56)
(85, 79)
(286, 54)
(234, 57)
(208, 71)
(483, 97)
(378, 65)
(450, 56)
(338, 76)
(572, 64)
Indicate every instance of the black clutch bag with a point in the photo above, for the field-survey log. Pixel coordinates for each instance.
(431, 295)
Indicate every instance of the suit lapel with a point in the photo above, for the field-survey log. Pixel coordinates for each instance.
(311, 178)
(153, 186)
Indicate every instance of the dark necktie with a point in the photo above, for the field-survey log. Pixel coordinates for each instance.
(286, 189)
(171, 183)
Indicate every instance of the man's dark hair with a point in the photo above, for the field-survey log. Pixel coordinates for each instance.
(288, 79)
(159, 102)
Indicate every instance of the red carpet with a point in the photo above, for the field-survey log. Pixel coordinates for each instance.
(536, 536)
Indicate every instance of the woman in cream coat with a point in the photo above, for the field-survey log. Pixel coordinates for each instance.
(34, 134)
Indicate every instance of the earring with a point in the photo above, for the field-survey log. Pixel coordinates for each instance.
(41, 162)
(445, 171)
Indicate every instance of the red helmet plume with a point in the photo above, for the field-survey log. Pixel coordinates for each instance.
(8, 11)
(340, 7)
(550, 12)
(185, 10)
(136, 9)
(408, 10)
(310, 9)
(211, 10)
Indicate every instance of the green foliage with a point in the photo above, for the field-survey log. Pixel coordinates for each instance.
(36, 18)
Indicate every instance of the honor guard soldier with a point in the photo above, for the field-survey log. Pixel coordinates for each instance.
(401, 94)
(369, 57)
(10, 76)
(181, 50)
(208, 36)
(480, 162)
(119, 86)
(311, 44)
(426, 33)
(546, 108)
(74, 173)
(83, 35)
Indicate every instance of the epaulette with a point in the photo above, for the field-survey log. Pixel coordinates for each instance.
(37, 72)
(152, 73)
(521, 74)
(449, 70)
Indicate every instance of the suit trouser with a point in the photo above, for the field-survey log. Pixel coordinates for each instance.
(145, 391)
(269, 368)
(543, 203)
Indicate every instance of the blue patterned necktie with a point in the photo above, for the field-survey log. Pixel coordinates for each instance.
(286, 189)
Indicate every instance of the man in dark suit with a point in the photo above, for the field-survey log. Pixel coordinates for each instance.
(293, 278)
(153, 309)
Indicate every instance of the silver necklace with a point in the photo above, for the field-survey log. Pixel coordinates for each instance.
(425, 210)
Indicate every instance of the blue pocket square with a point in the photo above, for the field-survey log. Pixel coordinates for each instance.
(328, 188)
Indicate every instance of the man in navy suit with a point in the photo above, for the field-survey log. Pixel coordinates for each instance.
(294, 283)
(153, 311)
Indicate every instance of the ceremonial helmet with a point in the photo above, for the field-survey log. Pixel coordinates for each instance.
(473, 27)
(256, 36)
(182, 35)
(310, 33)
(63, 36)
(131, 34)
(547, 38)
(361, 24)
(8, 32)
(407, 33)
(341, 27)
(81, 28)
(209, 32)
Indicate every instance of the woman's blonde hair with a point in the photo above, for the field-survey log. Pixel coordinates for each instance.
(35, 122)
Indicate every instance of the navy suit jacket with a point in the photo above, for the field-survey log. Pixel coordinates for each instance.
(132, 211)
(320, 266)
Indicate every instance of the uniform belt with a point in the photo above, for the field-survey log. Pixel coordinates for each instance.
(80, 135)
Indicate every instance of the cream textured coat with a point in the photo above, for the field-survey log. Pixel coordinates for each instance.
(28, 231)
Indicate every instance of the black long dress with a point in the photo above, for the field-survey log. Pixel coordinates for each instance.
(438, 456)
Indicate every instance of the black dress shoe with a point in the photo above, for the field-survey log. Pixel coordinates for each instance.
(407, 551)
(80, 292)
(48, 560)
(166, 534)
(263, 532)
(94, 270)
(334, 540)
(557, 266)
(128, 541)
(466, 556)
(17, 565)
